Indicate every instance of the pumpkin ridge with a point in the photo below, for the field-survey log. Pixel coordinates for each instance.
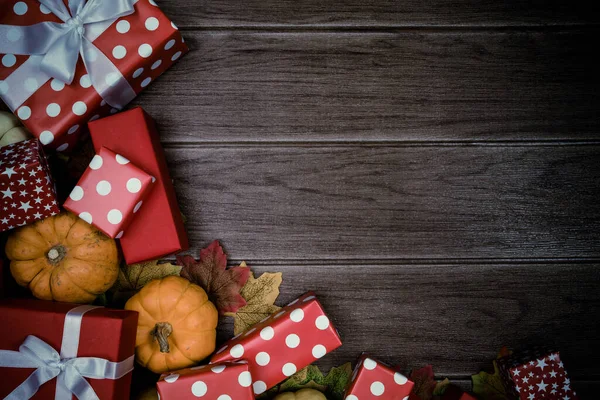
(182, 353)
(66, 271)
(188, 314)
(35, 276)
(174, 307)
(23, 238)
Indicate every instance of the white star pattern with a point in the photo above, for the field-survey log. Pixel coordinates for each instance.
(551, 385)
(8, 193)
(24, 168)
(541, 364)
(9, 171)
(541, 386)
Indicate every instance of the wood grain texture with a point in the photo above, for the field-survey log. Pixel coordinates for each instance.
(415, 86)
(384, 202)
(452, 316)
(377, 13)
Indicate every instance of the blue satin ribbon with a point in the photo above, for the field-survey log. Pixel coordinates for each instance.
(69, 371)
(59, 45)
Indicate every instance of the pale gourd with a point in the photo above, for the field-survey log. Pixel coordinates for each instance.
(10, 129)
(302, 394)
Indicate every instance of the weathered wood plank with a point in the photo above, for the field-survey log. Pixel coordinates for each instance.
(452, 316)
(377, 13)
(414, 86)
(382, 202)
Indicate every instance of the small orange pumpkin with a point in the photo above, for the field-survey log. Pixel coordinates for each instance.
(177, 324)
(63, 258)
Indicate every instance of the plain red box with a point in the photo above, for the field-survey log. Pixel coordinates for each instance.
(157, 230)
(105, 333)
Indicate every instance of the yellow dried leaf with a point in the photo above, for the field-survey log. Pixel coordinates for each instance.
(260, 294)
(135, 276)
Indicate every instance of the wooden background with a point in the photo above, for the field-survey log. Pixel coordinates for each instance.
(430, 167)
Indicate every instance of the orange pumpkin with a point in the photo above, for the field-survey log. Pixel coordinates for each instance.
(177, 324)
(63, 258)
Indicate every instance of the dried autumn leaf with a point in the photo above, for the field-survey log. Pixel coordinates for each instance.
(222, 284)
(489, 386)
(135, 276)
(337, 380)
(260, 294)
(332, 385)
(424, 383)
(440, 387)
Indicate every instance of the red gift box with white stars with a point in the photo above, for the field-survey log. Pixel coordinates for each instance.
(110, 192)
(222, 381)
(541, 377)
(142, 46)
(374, 379)
(27, 192)
(284, 343)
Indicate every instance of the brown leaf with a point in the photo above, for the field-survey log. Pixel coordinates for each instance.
(260, 294)
(222, 284)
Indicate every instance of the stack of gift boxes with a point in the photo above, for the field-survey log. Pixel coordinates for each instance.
(54, 350)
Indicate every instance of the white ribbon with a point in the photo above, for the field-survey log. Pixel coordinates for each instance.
(69, 370)
(54, 49)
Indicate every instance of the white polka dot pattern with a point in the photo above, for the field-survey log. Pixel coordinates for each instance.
(373, 379)
(142, 46)
(288, 341)
(109, 192)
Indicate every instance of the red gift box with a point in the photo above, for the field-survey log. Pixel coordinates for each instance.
(533, 376)
(283, 343)
(141, 46)
(110, 192)
(158, 228)
(375, 379)
(26, 187)
(103, 333)
(222, 381)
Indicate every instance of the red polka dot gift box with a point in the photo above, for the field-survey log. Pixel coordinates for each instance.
(222, 381)
(535, 375)
(287, 341)
(375, 380)
(27, 192)
(115, 50)
(158, 230)
(110, 192)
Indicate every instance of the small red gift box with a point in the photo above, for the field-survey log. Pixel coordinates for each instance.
(536, 375)
(284, 343)
(109, 193)
(158, 229)
(72, 332)
(374, 379)
(140, 44)
(27, 191)
(222, 381)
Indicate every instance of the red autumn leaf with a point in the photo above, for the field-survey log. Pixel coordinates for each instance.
(424, 383)
(222, 284)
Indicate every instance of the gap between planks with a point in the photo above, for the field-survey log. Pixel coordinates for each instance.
(379, 143)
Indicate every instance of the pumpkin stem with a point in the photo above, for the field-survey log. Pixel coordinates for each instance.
(161, 332)
(56, 254)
